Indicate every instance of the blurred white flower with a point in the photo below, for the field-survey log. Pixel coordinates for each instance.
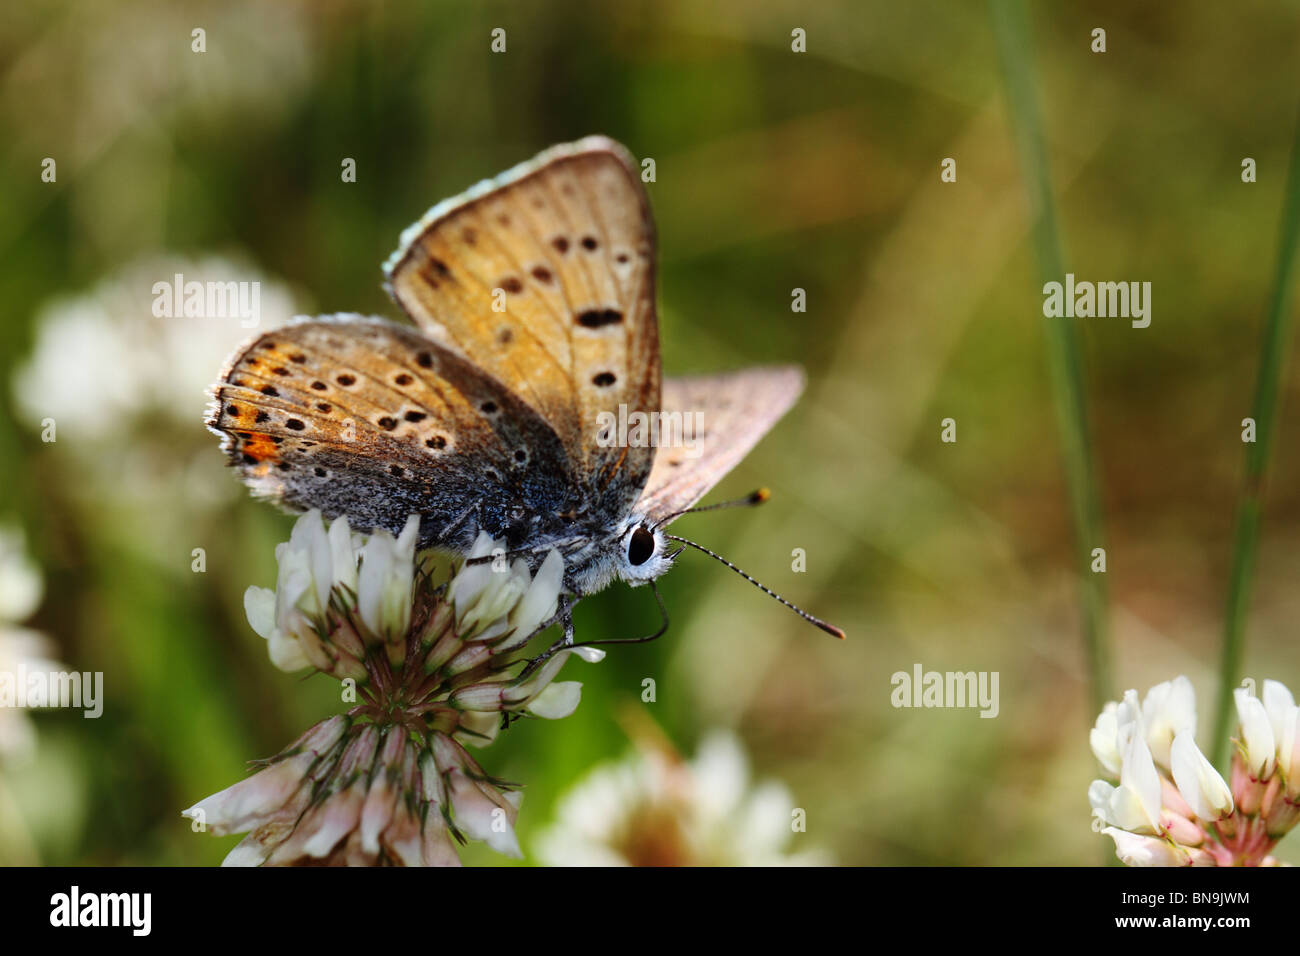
(23, 652)
(655, 809)
(435, 669)
(123, 394)
(108, 343)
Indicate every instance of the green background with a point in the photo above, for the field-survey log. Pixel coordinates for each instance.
(775, 170)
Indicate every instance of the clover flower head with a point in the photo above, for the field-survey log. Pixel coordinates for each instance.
(1170, 807)
(435, 669)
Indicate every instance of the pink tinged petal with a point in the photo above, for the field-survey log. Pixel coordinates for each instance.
(377, 812)
(478, 697)
(1198, 781)
(255, 848)
(1181, 829)
(556, 701)
(403, 840)
(1171, 799)
(437, 847)
(381, 801)
(338, 816)
(246, 804)
(483, 814)
(1136, 850)
(1257, 734)
(1289, 752)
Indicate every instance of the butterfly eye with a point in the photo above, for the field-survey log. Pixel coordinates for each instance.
(641, 547)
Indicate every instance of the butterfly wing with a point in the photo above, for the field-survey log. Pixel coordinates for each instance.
(545, 277)
(735, 410)
(370, 419)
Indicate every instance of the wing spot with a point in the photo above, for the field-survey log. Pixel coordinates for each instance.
(325, 407)
(469, 236)
(233, 410)
(297, 359)
(268, 345)
(396, 470)
(415, 416)
(262, 417)
(424, 360)
(387, 423)
(542, 274)
(437, 441)
(505, 336)
(294, 424)
(512, 285)
(284, 466)
(280, 370)
(319, 386)
(503, 219)
(403, 379)
(589, 243)
(621, 258)
(602, 379)
(319, 471)
(248, 459)
(346, 380)
(595, 318)
(561, 244)
(521, 456)
(489, 407)
(269, 390)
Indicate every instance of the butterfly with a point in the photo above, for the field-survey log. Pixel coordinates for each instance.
(501, 408)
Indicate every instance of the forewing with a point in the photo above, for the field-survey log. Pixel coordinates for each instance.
(734, 410)
(545, 277)
(370, 419)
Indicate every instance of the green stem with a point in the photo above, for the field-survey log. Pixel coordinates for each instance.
(1245, 539)
(1011, 34)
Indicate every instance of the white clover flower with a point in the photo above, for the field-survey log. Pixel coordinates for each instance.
(391, 782)
(654, 809)
(1171, 807)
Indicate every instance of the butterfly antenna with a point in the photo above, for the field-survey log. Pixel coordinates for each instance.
(756, 497)
(816, 621)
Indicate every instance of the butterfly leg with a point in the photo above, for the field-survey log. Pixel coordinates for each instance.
(566, 643)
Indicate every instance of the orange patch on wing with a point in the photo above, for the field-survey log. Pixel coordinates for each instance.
(261, 447)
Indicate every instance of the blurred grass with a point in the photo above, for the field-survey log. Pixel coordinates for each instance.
(1245, 538)
(1015, 49)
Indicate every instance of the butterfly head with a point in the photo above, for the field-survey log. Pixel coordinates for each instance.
(642, 553)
